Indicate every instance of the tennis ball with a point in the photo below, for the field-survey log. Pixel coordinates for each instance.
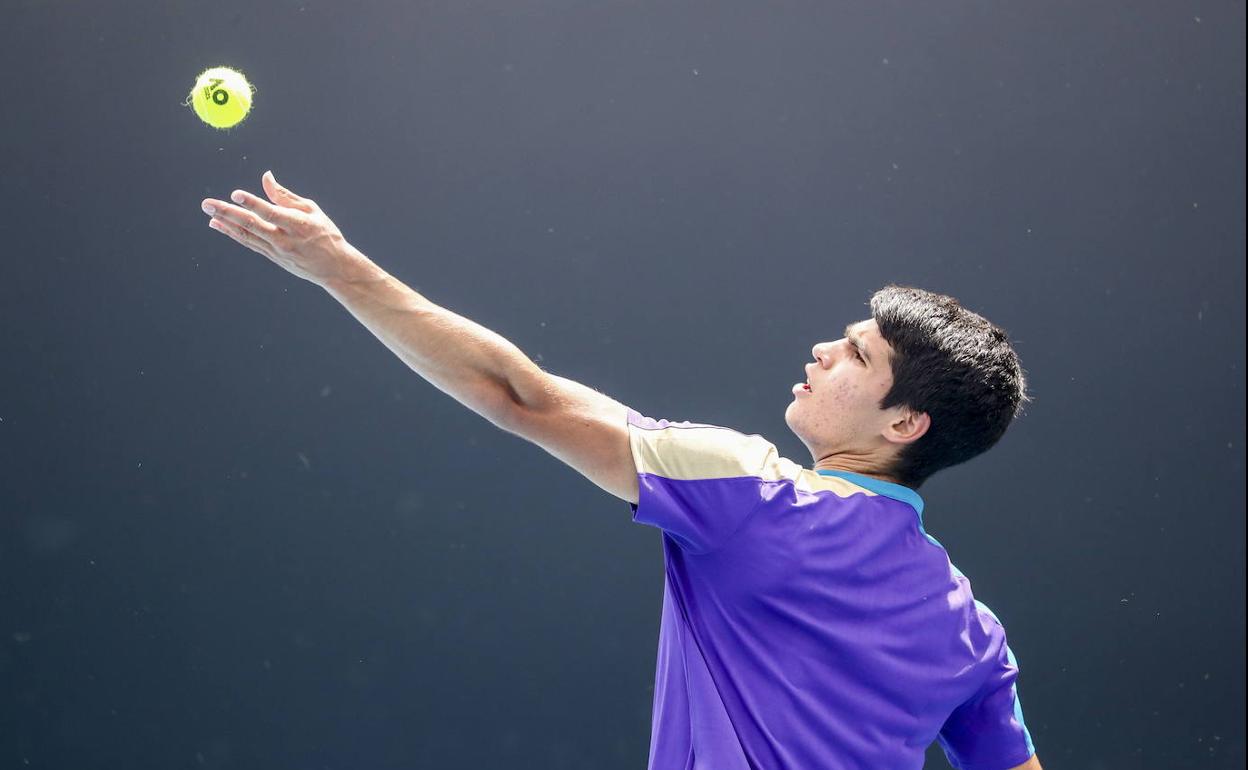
(221, 97)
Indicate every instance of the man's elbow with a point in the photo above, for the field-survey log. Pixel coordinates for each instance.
(1031, 764)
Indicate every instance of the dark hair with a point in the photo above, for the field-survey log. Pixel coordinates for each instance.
(954, 365)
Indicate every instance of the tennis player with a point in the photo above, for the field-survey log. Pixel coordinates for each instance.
(809, 620)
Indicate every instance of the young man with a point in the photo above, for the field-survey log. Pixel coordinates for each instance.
(809, 621)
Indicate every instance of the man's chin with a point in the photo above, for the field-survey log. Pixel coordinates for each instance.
(788, 415)
(794, 426)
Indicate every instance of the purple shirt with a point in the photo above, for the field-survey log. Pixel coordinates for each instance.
(809, 621)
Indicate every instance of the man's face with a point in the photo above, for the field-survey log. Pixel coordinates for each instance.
(840, 413)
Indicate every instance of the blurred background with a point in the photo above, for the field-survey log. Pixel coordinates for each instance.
(237, 532)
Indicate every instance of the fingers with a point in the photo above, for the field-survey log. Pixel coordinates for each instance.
(260, 223)
(259, 215)
(277, 215)
(242, 235)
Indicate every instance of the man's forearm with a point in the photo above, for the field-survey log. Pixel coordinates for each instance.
(463, 359)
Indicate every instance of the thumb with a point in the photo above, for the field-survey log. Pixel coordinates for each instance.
(279, 194)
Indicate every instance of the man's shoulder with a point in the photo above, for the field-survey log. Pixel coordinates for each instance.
(686, 450)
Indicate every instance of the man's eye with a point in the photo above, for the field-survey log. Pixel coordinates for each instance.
(857, 355)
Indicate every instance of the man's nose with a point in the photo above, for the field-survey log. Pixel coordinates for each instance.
(823, 352)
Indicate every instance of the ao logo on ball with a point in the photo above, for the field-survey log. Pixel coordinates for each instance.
(221, 97)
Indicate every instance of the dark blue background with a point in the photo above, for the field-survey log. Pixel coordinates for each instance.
(238, 533)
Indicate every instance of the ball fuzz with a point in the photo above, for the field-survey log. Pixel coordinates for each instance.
(221, 97)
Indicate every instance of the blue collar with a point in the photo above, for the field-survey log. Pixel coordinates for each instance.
(880, 487)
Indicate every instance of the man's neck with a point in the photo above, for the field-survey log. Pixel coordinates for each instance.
(852, 464)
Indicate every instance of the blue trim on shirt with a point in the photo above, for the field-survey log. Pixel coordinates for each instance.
(1018, 705)
(880, 487)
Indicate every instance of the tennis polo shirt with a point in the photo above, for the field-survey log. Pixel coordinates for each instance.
(809, 622)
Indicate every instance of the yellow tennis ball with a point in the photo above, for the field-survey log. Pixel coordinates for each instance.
(221, 97)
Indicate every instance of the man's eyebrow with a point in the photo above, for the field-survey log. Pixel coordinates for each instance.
(856, 341)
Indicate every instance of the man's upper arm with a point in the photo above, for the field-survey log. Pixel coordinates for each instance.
(583, 428)
(988, 730)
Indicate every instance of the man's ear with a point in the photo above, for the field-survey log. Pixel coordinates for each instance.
(908, 427)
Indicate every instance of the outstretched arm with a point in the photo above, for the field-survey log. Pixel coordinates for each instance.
(475, 366)
(466, 361)
(486, 373)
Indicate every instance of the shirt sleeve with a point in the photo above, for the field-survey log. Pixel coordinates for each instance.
(698, 483)
(987, 731)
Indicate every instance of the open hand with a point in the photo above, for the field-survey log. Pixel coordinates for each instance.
(290, 230)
